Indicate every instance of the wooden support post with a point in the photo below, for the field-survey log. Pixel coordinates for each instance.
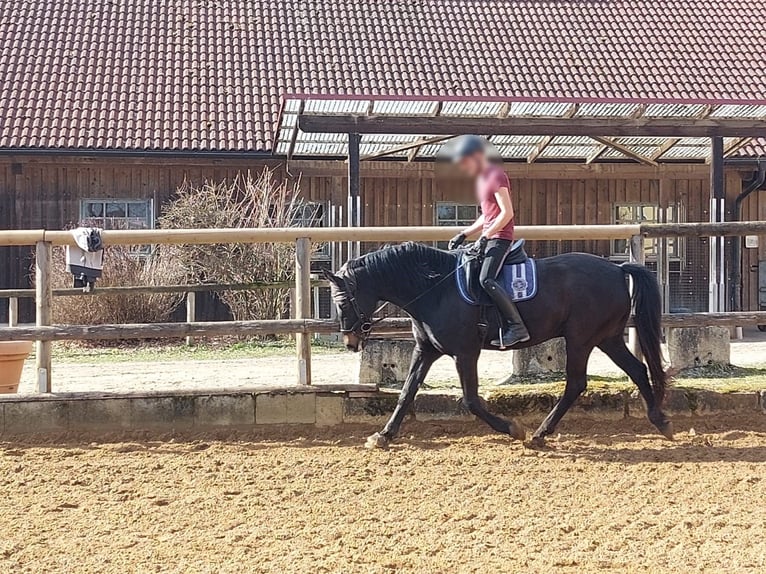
(637, 255)
(13, 311)
(354, 218)
(303, 306)
(191, 313)
(44, 313)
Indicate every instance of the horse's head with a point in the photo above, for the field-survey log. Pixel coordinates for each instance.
(355, 308)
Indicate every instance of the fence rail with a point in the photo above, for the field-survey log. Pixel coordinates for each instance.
(44, 333)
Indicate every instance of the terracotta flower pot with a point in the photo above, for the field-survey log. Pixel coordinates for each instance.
(12, 357)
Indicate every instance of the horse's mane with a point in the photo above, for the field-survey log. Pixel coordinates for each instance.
(412, 267)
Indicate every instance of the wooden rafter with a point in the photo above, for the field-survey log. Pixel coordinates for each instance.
(625, 150)
(539, 148)
(294, 135)
(405, 147)
(735, 145)
(606, 127)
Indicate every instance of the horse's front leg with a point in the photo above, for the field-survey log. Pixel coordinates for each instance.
(469, 380)
(423, 357)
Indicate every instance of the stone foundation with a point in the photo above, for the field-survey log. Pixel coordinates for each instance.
(385, 362)
(543, 359)
(699, 346)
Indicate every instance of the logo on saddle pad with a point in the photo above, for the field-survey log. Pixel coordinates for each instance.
(519, 284)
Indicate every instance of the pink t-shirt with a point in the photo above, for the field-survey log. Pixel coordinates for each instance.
(487, 184)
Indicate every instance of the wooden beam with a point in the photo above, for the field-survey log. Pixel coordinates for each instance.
(624, 150)
(736, 145)
(294, 136)
(406, 146)
(604, 127)
(285, 327)
(539, 148)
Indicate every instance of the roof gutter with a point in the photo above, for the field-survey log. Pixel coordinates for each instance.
(735, 289)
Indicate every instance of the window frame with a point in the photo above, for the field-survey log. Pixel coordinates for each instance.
(85, 217)
(651, 245)
(457, 220)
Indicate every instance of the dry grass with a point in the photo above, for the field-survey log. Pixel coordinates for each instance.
(245, 202)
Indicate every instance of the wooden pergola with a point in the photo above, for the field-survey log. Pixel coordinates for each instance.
(528, 130)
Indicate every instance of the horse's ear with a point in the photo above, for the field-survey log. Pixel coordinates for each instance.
(334, 279)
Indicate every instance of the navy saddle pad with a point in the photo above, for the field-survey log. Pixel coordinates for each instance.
(518, 277)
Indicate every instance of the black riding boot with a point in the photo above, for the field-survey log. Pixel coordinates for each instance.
(514, 331)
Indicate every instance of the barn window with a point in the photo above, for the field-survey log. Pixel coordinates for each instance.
(455, 214)
(117, 213)
(644, 213)
(313, 214)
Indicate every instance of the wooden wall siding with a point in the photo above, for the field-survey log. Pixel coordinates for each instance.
(46, 192)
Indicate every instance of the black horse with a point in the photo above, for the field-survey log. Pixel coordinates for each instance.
(581, 297)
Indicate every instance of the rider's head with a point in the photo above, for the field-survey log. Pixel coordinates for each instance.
(470, 154)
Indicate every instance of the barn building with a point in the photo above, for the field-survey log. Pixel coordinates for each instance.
(107, 107)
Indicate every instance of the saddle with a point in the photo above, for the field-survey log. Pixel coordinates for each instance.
(518, 276)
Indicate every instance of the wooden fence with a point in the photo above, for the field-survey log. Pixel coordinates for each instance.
(303, 325)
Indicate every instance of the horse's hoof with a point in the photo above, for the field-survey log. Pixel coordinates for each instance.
(666, 429)
(376, 440)
(517, 430)
(537, 442)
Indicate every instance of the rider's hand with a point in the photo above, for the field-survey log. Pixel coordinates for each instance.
(480, 246)
(456, 241)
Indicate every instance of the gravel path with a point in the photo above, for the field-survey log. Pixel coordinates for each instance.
(328, 368)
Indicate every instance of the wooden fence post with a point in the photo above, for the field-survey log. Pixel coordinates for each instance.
(13, 311)
(191, 313)
(637, 255)
(303, 306)
(44, 313)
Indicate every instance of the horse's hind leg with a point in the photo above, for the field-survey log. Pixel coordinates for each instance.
(423, 357)
(469, 380)
(616, 350)
(577, 380)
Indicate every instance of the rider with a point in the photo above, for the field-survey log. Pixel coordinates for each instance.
(493, 191)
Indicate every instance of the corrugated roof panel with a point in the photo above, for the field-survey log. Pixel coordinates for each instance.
(686, 152)
(516, 140)
(289, 120)
(569, 151)
(430, 150)
(374, 148)
(336, 106)
(404, 107)
(282, 148)
(695, 141)
(731, 111)
(644, 150)
(321, 137)
(471, 109)
(674, 110)
(641, 140)
(605, 110)
(318, 149)
(516, 151)
(291, 106)
(573, 140)
(539, 109)
(390, 140)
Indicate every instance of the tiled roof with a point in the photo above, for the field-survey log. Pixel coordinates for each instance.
(755, 148)
(209, 74)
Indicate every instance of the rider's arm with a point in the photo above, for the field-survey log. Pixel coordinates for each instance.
(503, 198)
(475, 227)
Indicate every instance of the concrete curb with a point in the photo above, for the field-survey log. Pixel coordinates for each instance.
(323, 406)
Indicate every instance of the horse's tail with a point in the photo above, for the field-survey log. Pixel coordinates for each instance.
(647, 301)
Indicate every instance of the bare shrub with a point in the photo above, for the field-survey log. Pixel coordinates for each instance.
(244, 202)
(122, 268)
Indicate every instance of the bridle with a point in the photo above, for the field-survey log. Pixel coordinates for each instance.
(363, 325)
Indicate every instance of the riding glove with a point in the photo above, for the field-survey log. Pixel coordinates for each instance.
(456, 241)
(480, 246)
